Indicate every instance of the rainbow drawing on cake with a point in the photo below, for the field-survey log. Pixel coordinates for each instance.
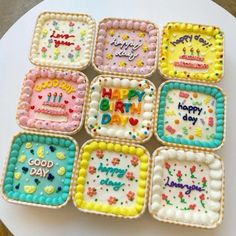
(52, 109)
(191, 62)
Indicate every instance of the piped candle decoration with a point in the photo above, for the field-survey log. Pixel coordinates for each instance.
(60, 97)
(49, 97)
(54, 97)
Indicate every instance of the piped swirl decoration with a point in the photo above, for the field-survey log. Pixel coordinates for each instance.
(53, 100)
(121, 108)
(187, 187)
(126, 47)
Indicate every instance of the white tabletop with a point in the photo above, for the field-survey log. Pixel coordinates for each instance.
(14, 63)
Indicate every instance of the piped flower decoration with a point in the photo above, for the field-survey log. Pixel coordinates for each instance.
(71, 25)
(44, 50)
(91, 192)
(181, 196)
(130, 175)
(115, 161)
(202, 199)
(130, 195)
(134, 161)
(44, 33)
(92, 170)
(71, 57)
(192, 170)
(179, 175)
(109, 56)
(165, 198)
(122, 64)
(111, 32)
(139, 63)
(192, 206)
(167, 166)
(77, 50)
(100, 154)
(204, 182)
(112, 200)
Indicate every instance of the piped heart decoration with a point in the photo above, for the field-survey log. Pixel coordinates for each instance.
(133, 121)
(32, 107)
(39, 96)
(73, 97)
(70, 110)
(66, 102)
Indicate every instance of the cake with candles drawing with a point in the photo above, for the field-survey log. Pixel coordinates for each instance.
(52, 100)
(191, 62)
(192, 51)
(52, 109)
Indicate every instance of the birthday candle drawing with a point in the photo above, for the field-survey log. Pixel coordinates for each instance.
(60, 97)
(191, 50)
(198, 51)
(54, 97)
(49, 96)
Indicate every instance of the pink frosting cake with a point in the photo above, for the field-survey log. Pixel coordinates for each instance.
(126, 47)
(52, 100)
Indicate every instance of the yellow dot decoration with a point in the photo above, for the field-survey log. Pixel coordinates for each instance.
(22, 158)
(61, 171)
(17, 175)
(30, 188)
(40, 152)
(60, 155)
(28, 145)
(49, 189)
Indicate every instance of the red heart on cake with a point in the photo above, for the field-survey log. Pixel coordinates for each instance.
(66, 102)
(32, 107)
(70, 110)
(73, 97)
(40, 97)
(133, 121)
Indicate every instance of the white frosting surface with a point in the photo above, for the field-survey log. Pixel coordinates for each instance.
(140, 131)
(63, 40)
(175, 172)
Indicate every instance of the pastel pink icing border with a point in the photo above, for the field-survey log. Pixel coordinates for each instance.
(27, 89)
(146, 26)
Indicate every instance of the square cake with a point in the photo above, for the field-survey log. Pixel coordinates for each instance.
(187, 187)
(121, 108)
(63, 40)
(126, 47)
(192, 51)
(39, 170)
(53, 100)
(191, 114)
(112, 179)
